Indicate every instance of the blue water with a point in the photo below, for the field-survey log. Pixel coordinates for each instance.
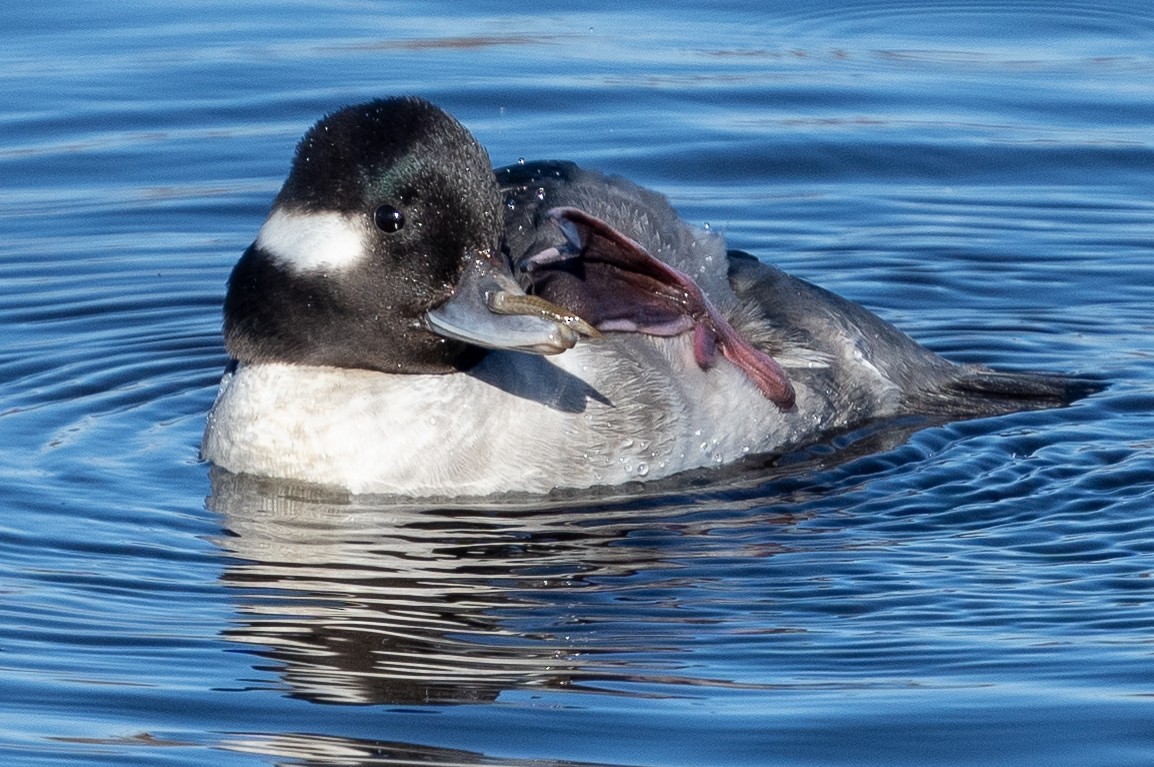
(979, 593)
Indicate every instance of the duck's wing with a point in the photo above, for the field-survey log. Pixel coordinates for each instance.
(793, 318)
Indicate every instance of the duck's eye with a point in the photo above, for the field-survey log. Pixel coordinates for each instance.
(389, 219)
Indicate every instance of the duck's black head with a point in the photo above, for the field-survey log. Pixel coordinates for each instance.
(390, 208)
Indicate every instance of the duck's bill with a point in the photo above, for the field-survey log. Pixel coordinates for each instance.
(617, 285)
(489, 309)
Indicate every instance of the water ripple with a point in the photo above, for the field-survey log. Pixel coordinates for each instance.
(909, 593)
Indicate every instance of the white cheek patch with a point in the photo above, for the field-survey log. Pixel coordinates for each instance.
(310, 242)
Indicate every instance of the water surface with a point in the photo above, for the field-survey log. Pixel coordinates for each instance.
(975, 593)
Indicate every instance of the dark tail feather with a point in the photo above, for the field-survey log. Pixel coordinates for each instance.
(978, 391)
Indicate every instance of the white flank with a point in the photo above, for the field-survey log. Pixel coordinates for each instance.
(311, 242)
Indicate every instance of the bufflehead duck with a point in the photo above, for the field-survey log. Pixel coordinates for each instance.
(410, 322)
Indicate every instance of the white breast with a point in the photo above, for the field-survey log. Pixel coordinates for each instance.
(601, 413)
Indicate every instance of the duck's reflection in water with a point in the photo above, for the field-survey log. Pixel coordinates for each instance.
(359, 603)
(360, 600)
(318, 750)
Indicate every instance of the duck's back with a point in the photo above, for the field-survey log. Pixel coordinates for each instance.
(848, 365)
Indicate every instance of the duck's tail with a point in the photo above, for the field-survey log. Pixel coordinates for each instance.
(975, 391)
